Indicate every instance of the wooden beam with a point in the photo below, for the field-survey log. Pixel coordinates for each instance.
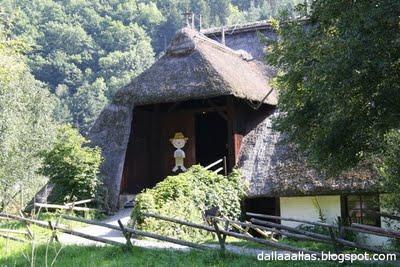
(221, 237)
(218, 170)
(270, 243)
(127, 235)
(12, 231)
(79, 202)
(200, 110)
(232, 125)
(182, 222)
(274, 230)
(53, 232)
(266, 234)
(320, 236)
(213, 164)
(13, 238)
(62, 229)
(64, 207)
(77, 219)
(377, 230)
(240, 229)
(265, 216)
(143, 233)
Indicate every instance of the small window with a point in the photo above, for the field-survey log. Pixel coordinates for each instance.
(363, 209)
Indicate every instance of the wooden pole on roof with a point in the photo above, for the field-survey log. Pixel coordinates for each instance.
(200, 22)
(223, 35)
(187, 14)
(192, 20)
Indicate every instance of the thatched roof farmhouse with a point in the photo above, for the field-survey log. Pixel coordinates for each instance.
(213, 87)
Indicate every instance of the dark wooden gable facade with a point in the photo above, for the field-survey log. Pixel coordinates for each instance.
(214, 128)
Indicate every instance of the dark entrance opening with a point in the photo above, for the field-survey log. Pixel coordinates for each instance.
(262, 205)
(211, 137)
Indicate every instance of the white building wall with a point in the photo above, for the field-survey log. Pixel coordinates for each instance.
(304, 208)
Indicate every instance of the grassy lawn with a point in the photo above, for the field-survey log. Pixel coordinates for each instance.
(43, 254)
(20, 255)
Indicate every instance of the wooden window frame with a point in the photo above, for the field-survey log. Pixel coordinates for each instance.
(345, 207)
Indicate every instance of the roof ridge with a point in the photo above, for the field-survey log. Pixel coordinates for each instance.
(231, 29)
(186, 39)
(224, 48)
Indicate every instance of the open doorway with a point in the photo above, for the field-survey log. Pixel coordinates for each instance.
(211, 137)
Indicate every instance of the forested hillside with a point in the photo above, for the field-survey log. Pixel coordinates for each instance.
(85, 50)
(61, 61)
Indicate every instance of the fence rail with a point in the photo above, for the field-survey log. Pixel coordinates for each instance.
(223, 227)
(222, 162)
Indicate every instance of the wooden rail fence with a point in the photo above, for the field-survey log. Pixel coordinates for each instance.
(71, 206)
(223, 227)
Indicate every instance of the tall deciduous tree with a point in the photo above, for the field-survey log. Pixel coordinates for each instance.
(340, 81)
(26, 124)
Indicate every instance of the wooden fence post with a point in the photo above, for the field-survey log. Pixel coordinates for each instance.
(53, 232)
(340, 231)
(334, 242)
(126, 234)
(221, 237)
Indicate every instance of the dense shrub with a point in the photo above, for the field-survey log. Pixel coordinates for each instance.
(71, 166)
(186, 196)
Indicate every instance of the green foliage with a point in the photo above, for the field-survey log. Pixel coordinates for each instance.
(187, 196)
(76, 44)
(213, 13)
(390, 170)
(71, 166)
(339, 86)
(338, 81)
(26, 124)
(82, 46)
(88, 102)
(317, 206)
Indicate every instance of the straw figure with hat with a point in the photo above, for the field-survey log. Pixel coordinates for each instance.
(179, 141)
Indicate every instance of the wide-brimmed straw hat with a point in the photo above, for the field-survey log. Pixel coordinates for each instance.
(178, 135)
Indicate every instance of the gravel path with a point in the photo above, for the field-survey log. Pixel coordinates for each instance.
(124, 215)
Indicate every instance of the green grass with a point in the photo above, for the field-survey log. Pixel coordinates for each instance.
(309, 245)
(20, 254)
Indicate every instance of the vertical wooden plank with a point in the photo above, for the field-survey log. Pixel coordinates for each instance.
(230, 108)
(237, 145)
(221, 237)
(138, 153)
(156, 136)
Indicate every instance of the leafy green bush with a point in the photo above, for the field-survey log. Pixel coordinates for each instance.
(390, 171)
(72, 167)
(186, 196)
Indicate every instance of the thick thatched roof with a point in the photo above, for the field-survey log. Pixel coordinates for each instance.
(275, 168)
(194, 67)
